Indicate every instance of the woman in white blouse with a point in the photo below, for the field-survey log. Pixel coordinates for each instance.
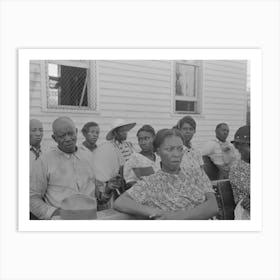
(144, 163)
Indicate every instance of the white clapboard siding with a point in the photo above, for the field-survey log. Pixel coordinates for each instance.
(140, 91)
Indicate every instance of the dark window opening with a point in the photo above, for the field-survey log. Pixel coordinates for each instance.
(68, 86)
(185, 106)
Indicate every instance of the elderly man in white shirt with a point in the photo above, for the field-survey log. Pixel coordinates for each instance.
(62, 173)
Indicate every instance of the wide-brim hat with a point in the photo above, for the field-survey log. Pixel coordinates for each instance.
(242, 135)
(78, 207)
(116, 124)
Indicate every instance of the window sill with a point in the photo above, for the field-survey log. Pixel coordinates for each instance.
(180, 115)
(67, 110)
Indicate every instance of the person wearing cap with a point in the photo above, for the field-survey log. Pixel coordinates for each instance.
(144, 163)
(221, 152)
(110, 157)
(192, 161)
(36, 136)
(63, 177)
(239, 174)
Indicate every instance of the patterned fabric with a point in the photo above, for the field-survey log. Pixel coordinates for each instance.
(126, 149)
(239, 177)
(34, 154)
(57, 175)
(192, 158)
(192, 164)
(169, 192)
(138, 160)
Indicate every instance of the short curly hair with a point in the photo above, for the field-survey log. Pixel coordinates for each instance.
(147, 128)
(87, 126)
(186, 119)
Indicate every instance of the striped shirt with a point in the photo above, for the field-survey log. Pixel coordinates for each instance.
(126, 149)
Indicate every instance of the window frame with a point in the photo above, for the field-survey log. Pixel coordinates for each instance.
(198, 64)
(92, 85)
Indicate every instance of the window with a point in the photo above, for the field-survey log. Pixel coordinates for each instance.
(70, 85)
(187, 86)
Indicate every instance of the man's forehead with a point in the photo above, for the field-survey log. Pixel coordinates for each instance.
(35, 124)
(63, 123)
(64, 126)
(223, 126)
(173, 141)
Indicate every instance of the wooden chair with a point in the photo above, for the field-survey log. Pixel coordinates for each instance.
(225, 199)
(210, 168)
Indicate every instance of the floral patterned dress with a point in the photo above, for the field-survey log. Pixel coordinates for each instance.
(192, 164)
(169, 192)
(239, 177)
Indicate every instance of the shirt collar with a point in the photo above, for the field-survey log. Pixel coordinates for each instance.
(169, 174)
(32, 148)
(88, 147)
(220, 142)
(187, 149)
(36, 151)
(76, 154)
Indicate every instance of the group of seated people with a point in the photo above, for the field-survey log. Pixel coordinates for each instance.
(165, 180)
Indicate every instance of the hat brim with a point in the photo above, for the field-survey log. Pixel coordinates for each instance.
(129, 126)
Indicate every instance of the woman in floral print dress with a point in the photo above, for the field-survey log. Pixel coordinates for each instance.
(192, 162)
(170, 193)
(239, 174)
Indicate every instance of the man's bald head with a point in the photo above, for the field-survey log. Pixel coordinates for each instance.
(36, 132)
(65, 134)
(62, 122)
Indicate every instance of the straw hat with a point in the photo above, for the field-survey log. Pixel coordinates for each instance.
(116, 124)
(78, 207)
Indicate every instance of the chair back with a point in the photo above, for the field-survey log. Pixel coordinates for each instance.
(210, 168)
(225, 199)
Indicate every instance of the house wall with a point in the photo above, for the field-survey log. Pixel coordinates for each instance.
(140, 91)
